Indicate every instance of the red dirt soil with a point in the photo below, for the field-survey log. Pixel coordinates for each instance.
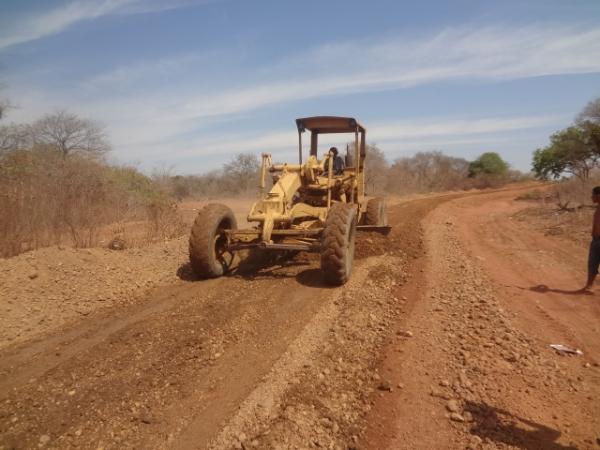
(440, 340)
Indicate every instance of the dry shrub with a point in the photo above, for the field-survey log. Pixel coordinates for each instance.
(164, 220)
(435, 172)
(48, 198)
(534, 195)
(574, 193)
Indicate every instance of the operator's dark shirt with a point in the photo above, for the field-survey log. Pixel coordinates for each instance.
(338, 165)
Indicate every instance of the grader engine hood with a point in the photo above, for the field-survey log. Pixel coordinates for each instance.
(274, 208)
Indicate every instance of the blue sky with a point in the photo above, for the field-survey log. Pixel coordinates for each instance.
(187, 84)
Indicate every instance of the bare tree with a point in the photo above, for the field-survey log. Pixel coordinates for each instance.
(3, 107)
(71, 134)
(15, 137)
(5, 104)
(376, 168)
(427, 171)
(589, 122)
(591, 113)
(242, 172)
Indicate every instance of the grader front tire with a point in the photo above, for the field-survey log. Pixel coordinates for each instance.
(337, 254)
(209, 257)
(376, 212)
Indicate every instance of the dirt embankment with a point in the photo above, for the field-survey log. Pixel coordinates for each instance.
(45, 289)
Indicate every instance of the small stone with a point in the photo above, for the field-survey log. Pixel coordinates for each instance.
(404, 333)
(385, 386)
(144, 417)
(117, 243)
(33, 276)
(439, 394)
(456, 417)
(445, 383)
(474, 442)
(464, 380)
(72, 393)
(452, 406)
(44, 439)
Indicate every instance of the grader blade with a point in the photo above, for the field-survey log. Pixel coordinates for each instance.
(383, 229)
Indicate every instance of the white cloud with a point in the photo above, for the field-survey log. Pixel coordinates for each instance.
(59, 19)
(162, 118)
(394, 136)
(489, 53)
(455, 54)
(457, 127)
(133, 75)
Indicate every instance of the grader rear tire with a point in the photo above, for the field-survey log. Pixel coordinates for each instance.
(337, 254)
(208, 255)
(376, 212)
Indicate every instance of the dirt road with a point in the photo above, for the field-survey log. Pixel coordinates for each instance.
(495, 292)
(431, 345)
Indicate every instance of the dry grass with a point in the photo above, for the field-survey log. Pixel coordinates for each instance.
(48, 199)
(574, 193)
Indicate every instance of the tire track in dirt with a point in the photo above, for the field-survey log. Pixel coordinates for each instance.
(196, 334)
(323, 404)
(21, 363)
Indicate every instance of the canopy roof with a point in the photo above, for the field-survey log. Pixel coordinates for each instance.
(329, 124)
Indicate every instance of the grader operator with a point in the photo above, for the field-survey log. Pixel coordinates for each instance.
(308, 208)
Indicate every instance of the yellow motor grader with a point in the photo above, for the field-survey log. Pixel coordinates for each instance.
(311, 207)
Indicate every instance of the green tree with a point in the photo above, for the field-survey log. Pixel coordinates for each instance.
(546, 164)
(574, 150)
(570, 151)
(489, 163)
